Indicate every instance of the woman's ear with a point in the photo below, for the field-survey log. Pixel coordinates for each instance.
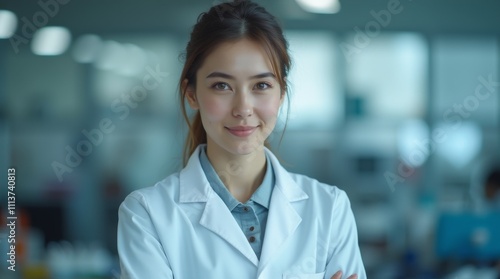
(190, 93)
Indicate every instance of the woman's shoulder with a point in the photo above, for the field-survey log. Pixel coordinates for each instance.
(318, 190)
(311, 186)
(166, 189)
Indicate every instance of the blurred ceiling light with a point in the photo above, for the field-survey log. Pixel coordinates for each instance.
(8, 24)
(462, 144)
(87, 48)
(111, 56)
(320, 6)
(53, 40)
(134, 63)
(413, 142)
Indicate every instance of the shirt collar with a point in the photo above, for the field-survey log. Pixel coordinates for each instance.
(261, 196)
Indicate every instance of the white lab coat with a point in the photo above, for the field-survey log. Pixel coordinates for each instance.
(181, 229)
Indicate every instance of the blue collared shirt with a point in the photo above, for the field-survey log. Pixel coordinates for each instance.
(252, 215)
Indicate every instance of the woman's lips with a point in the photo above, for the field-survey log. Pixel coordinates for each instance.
(241, 131)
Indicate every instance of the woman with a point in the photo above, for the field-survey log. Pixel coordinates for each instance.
(234, 211)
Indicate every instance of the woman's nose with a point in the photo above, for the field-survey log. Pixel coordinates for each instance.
(243, 107)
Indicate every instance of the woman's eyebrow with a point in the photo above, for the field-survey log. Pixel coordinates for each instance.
(224, 75)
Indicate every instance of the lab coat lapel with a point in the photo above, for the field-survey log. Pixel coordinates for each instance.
(283, 219)
(219, 220)
(194, 187)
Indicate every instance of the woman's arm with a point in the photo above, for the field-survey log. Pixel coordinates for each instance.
(141, 254)
(346, 255)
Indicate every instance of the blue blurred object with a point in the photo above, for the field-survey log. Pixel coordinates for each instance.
(469, 236)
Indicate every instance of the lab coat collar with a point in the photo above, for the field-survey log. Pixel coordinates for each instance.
(283, 218)
(194, 187)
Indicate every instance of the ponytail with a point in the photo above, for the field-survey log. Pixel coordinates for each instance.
(195, 137)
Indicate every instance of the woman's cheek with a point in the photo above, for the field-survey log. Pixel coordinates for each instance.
(270, 108)
(214, 109)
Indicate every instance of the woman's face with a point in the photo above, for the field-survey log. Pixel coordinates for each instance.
(238, 97)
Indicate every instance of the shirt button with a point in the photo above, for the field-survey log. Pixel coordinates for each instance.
(251, 239)
(245, 209)
(251, 228)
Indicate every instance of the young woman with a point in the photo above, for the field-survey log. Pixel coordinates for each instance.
(233, 211)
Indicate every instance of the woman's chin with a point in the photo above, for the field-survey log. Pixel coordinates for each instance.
(247, 147)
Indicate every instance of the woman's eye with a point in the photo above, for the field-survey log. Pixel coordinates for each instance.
(221, 86)
(262, 86)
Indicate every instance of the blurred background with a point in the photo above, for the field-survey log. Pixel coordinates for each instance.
(395, 102)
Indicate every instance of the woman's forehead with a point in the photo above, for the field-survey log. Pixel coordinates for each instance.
(243, 56)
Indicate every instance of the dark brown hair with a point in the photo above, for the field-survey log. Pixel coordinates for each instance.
(226, 22)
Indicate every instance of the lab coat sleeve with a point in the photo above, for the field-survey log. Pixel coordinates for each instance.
(140, 251)
(344, 240)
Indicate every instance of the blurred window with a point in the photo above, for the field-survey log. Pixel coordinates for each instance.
(387, 77)
(316, 99)
(465, 74)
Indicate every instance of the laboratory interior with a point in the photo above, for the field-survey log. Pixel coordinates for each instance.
(396, 102)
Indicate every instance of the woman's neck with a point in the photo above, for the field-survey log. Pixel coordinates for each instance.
(241, 174)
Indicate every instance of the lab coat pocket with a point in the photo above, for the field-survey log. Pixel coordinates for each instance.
(304, 276)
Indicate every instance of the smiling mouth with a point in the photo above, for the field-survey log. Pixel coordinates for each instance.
(241, 131)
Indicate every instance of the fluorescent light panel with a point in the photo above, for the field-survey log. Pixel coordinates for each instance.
(8, 24)
(86, 48)
(53, 40)
(320, 6)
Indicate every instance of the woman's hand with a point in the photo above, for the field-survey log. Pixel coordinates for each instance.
(338, 275)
